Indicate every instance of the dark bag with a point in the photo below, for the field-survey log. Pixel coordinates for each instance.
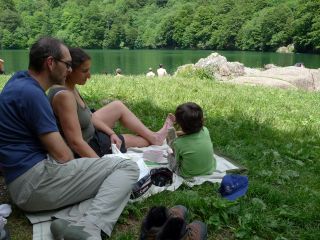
(161, 176)
(158, 176)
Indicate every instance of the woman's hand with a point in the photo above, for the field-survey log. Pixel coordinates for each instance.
(116, 140)
(100, 125)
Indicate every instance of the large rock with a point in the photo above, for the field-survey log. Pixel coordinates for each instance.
(281, 77)
(298, 77)
(262, 81)
(220, 68)
(287, 49)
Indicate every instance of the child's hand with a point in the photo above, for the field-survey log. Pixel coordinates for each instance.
(180, 133)
(169, 151)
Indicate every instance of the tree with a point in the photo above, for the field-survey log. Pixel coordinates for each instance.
(262, 25)
(9, 21)
(183, 19)
(307, 26)
(267, 30)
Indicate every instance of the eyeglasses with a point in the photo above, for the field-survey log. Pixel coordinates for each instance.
(68, 64)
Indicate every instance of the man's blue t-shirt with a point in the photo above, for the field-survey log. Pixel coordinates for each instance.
(25, 113)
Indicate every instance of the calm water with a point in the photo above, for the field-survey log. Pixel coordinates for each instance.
(138, 61)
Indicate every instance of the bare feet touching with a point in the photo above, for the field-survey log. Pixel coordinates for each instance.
(170, 120)
(161, 135)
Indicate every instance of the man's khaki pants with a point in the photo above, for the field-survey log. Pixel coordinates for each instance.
(50, 185)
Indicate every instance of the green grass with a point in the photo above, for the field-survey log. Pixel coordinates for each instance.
(274, 133)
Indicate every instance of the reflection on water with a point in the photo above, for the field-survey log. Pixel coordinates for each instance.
(138, 61)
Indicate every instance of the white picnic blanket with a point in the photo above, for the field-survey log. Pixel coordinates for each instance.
(41, 221)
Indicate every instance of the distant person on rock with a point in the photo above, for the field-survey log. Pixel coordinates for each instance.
(150, 73)
(119, 72)
(162, 72)
(299, 64)
(1, 66)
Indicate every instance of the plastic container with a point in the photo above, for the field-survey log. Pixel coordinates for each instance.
(154, 156)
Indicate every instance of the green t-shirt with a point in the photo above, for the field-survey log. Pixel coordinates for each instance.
(194, 154)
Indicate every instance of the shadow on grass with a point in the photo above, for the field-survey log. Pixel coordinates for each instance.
(283, 171)
(283, 198)
(281, 164)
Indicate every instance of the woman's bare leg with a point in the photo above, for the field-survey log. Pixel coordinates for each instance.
(135, 141)
(117, 111)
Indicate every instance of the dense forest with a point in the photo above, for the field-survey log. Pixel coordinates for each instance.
(262, 25)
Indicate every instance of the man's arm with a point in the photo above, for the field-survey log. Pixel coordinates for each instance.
(57, 148)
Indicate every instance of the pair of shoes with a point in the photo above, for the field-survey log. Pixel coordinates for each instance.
(157, 217)
(63, 229)
(170, 224)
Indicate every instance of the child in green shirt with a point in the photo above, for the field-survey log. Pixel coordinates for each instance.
(193, 147)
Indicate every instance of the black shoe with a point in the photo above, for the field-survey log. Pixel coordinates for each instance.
(173, 229)
(151, 225)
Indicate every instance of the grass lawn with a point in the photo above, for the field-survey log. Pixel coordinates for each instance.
(274, 133)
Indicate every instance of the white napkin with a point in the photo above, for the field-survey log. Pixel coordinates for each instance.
(5, 210)
(116, 151)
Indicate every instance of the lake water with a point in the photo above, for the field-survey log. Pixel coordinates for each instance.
(138, 61)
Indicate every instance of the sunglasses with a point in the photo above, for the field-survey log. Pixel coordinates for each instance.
(68, 64)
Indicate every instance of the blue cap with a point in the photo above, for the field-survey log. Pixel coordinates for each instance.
(233, 186)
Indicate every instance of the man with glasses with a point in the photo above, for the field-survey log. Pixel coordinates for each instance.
(39, 168)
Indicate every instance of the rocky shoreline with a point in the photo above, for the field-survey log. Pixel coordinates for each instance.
(272, 76)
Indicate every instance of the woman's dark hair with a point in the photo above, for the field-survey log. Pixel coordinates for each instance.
(78, 57)
(190, 117)
(43, 48)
